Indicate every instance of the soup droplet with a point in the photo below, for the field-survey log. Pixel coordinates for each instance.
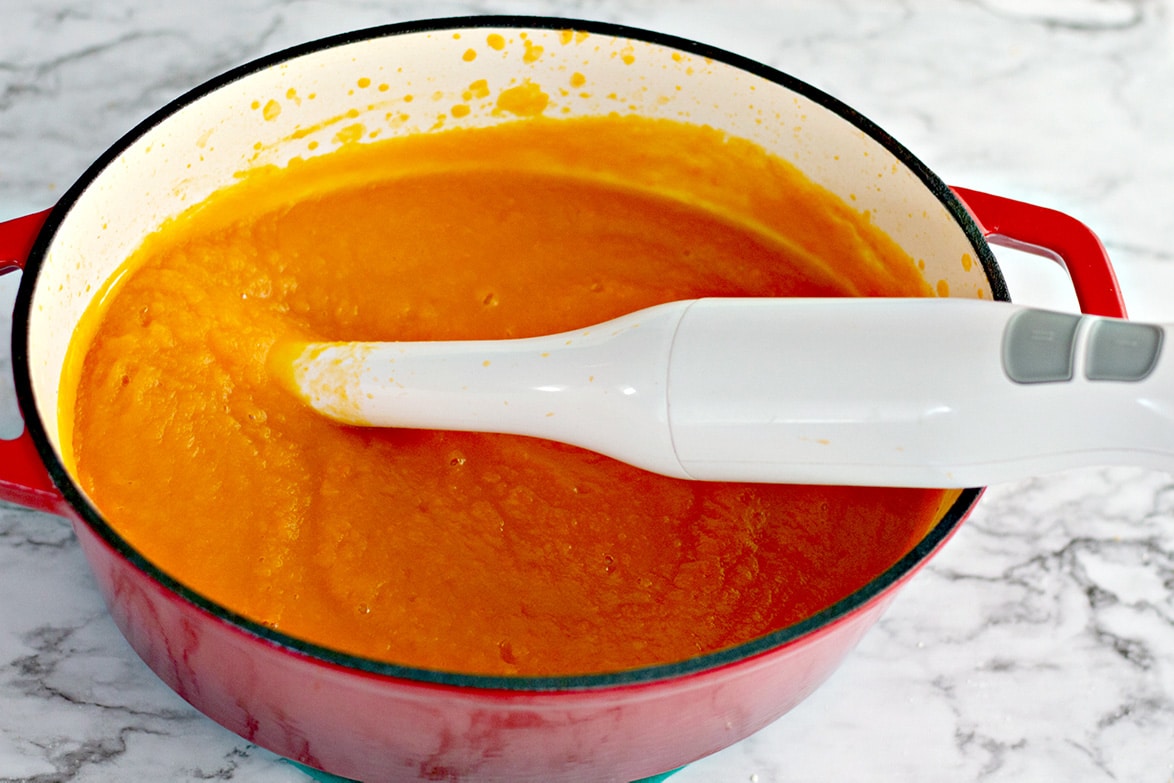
(350, 134)
(482, 90)
(533, 52)
(572, 36)
(525, 100)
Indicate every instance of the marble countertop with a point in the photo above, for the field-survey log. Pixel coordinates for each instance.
(1038, 645)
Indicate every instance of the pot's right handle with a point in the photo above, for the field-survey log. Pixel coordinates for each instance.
(1046, 232)
(23, 478)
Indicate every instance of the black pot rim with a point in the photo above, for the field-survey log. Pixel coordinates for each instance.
(829, 616)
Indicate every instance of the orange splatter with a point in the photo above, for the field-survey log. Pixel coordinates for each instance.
(533, 52)
(478, 89)
(350, 134)
(525, 100)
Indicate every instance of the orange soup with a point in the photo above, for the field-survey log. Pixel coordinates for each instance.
(468, 552)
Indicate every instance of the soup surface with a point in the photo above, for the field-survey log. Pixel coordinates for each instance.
(456, 551)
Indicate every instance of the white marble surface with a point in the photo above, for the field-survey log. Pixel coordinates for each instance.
(1039, 645)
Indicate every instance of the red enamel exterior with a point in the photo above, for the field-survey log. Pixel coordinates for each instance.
(23, 478)
(371, 727)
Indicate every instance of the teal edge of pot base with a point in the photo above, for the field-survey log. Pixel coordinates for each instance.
(326, 777)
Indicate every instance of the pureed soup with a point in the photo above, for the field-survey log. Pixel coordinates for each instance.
(468, 552)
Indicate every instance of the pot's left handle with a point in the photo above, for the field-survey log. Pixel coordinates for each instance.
(23, 478)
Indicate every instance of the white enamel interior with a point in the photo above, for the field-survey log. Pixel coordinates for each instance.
(307, 105)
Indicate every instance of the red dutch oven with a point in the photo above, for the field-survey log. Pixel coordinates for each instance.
(369, 720)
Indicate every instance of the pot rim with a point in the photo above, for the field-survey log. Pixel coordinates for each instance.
(784, 637)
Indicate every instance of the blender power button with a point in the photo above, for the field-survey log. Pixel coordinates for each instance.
(1039, 346)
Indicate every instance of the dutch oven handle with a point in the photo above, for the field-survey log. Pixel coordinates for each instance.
(1062, 238)
(23, 478)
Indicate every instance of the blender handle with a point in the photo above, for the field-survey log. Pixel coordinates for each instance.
(23, 477)
(1051, 234)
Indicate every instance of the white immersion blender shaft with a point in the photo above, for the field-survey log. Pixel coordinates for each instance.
(893, 392)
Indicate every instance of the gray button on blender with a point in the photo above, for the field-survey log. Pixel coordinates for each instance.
(1038, 346)
(1121, 351)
